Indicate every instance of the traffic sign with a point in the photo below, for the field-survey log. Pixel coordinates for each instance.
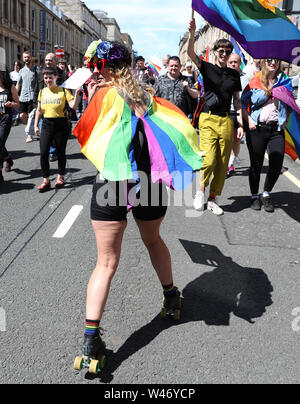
(60, 53)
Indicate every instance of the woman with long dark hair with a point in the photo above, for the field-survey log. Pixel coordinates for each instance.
(8, 100)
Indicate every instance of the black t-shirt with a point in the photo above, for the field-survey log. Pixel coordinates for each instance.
(222, 81)
(5, 96)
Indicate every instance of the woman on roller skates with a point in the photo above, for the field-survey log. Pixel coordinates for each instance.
(136, 153)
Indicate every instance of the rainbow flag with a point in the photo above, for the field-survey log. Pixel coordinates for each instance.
(154, 65)
(106, 130)
(239, 52)
(262, 30)
(292, 137)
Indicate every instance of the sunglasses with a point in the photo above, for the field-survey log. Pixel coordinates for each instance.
(222, 52)
(276, 61)
(100, 65)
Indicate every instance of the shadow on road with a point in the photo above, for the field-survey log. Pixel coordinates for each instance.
(289, 202)
(212, 298)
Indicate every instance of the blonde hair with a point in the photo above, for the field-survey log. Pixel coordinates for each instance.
(125, 81)
(267, 86)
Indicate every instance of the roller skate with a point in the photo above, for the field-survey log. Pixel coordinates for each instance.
(93, 354)
(171, 306)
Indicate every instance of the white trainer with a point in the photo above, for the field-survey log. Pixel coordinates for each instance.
(28, 139)
(216, 210)
(199, 201)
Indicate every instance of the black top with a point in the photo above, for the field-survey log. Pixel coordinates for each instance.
(5, 96)
(223, 82)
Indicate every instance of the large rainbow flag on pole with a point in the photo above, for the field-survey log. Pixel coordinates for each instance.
(108, 126)
(260, 28)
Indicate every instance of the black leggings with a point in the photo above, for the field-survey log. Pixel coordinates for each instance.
(54, 129)
(5, 127)
(259, 141)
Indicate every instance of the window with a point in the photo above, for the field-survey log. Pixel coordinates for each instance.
(33, 20)
(33, 48)
(48, 30)
(61, 39)
(5, 10)
(55, 35)
(14, 11)
(66, 40)
(23, 15)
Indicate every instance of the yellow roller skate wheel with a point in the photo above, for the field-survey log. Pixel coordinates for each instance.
(78, 363)
(163, 313)
(94, 367)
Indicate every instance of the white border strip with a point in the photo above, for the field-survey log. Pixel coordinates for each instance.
(68, 221)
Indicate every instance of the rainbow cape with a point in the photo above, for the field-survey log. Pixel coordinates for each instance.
(283, 91)
(106, 130)
(262, 30)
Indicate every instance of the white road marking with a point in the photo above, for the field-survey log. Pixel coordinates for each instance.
(288, 175)
(68, 221)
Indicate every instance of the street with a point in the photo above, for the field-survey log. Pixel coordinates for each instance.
(239, 275)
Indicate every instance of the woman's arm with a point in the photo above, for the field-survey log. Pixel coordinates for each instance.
(75, 102)
(38, 116)
(191, 44)
(15, 103)
(191, 91)
(238, 109)
(246, 100)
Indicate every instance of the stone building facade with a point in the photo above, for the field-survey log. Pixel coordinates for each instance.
(14, 30)
(93, 28)
(40, 27)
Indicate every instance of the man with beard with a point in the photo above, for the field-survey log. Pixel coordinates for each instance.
(26, 86)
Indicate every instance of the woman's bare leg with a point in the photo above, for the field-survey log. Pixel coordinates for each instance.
(109, 236)
(158, 251)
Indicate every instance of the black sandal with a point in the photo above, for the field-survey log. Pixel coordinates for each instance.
(9, 164)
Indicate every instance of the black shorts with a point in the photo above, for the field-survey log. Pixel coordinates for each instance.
(109, 201)
(26, 107)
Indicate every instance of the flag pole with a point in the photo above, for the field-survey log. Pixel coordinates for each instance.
(193, 13)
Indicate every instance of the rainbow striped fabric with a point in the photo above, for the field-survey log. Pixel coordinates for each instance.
(106, 130)
(292, 137)
(155, 65)
(262, 30)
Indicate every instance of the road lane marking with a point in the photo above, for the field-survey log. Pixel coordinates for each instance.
(290, 176)
(68, 221)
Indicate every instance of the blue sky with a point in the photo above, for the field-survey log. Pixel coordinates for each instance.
(155, 26)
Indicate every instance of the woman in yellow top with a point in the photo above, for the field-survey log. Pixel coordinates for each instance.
(52, 105)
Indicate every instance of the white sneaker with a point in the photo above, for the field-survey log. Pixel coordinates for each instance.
(199, 201)
(29, 139)
(216, 210)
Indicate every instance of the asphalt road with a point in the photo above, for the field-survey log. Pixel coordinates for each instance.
(239, 275)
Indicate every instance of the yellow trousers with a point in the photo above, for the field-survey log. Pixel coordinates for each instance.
(216, 136)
